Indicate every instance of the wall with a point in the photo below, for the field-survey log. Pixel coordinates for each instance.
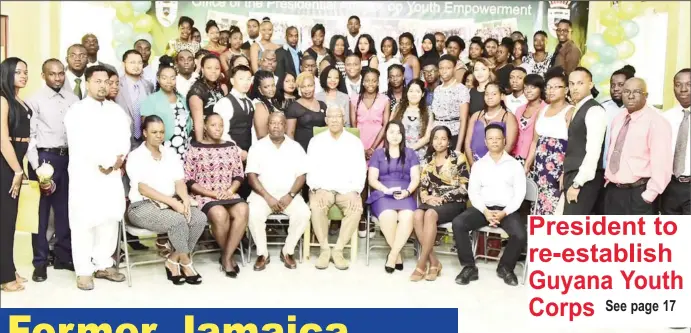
(676, 47)
(34, 36)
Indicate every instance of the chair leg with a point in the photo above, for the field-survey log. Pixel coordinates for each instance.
(301, 248)
(367, 241)
(249, 247)
(127, 254)
(242, 255)
(525, 271)
(118, 247)
(306, 244)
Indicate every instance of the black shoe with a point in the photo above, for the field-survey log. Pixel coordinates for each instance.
(231, 274)
(176, 280)
(51, 257)
(507, 275)
(468, 273)
(40, 273)
(387, 268)
(137, 246)
(64, 265)
(399, 267)
(191, 279)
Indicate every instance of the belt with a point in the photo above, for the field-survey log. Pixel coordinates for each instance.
(58, 151)
(19, 139)
(682, 179)
(635, 184)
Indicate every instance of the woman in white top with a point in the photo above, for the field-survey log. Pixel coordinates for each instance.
(160, 203)
(389, 49)
(332, 82)
(546, 156)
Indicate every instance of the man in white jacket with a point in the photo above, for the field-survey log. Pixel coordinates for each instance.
(98, 136)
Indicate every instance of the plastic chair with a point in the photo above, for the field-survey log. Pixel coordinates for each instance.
(335, 214)
(275, 220)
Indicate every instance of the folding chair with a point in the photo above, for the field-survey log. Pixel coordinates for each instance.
(142, 234)
(492, 232)
(200, 251)
(275, 220)
(334, 214)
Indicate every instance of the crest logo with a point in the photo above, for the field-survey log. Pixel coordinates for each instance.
(166, 12)
(558, 10)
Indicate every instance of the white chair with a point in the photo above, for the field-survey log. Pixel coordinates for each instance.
(274, 220)
(499, 233)
(142, 234)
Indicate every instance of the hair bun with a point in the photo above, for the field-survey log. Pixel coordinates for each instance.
(165, 61)
(629, 69)
(266, 19)
(476, 39)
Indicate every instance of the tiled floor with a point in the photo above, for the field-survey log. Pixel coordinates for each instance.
(480, 304)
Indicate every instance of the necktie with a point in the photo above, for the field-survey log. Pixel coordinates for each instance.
(77, 87)
(619, 146)
(136, 114)
(681, 145)
(246, 105)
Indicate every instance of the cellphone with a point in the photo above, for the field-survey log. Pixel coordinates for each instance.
(397, 192)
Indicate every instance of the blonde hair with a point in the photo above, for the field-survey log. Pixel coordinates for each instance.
(302, 76)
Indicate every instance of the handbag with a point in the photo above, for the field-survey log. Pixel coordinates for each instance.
(27, 212)
(161, 205)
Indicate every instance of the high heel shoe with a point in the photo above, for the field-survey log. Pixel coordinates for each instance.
(175, 279)
(191, 279)
(434, 273)
(388, 269)
(231, 274)
(399, 267)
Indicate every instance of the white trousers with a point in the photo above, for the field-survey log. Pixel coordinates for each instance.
(298, 218)
(92, 248)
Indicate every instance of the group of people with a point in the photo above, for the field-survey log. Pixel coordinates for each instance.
(233, 132)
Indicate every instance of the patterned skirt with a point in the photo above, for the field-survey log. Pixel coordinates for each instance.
(548, 168)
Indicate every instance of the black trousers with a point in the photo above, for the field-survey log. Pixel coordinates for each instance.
(627, 201)
(472, 219)
(587, 197)
(676, 200)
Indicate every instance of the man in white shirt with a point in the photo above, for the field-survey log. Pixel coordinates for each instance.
(76, 64)
(676, 199)
(336, 177)
(184, 62)
(353, 32)
(583, 167)
(496, 190)
(90, 42)
(517, 97)
(353, 81)
(276, 168)
(98, 137)
(236, 108)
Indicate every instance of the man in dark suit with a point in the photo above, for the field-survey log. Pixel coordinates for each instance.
(90, 42)
(288, 57)
(252, 34)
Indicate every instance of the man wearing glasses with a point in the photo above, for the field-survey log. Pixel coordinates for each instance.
(639, 158)
(76, 64)
(566, 54)
(336, 177)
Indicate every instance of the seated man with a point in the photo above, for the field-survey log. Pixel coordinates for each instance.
(337, 176)
(496, 190)
(276, 168)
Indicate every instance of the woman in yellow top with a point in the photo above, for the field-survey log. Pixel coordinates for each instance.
(443, 196)
(266, 31)
(184, 41)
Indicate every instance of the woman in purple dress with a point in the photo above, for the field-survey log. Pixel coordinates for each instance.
(394, 174)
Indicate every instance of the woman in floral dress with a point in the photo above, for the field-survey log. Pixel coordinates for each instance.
(415, 117)
(547, 152)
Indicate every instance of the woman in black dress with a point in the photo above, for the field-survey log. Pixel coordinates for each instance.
(205, 93)
(14, 141)
(306, 113)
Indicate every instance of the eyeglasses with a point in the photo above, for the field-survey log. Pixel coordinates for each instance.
(429, 72)
(77, 56)
(636, 92)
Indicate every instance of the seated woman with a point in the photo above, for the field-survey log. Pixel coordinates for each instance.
(160, 203)
(394, 175)
(171, 107)
(213, 170)
(443, 194)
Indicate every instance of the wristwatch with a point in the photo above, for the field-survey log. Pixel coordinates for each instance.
(292, 195)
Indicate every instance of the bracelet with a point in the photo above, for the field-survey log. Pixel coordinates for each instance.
(17, 173)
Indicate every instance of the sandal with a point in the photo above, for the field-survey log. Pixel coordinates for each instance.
(434, 273)
(11, 287)
(20, 279)
(417, 275)
(194, 279)
(164, 250)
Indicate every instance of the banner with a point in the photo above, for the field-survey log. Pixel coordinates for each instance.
(158, 20)
(229, 320)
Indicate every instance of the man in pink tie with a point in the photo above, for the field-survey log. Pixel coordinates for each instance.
(639, 159)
